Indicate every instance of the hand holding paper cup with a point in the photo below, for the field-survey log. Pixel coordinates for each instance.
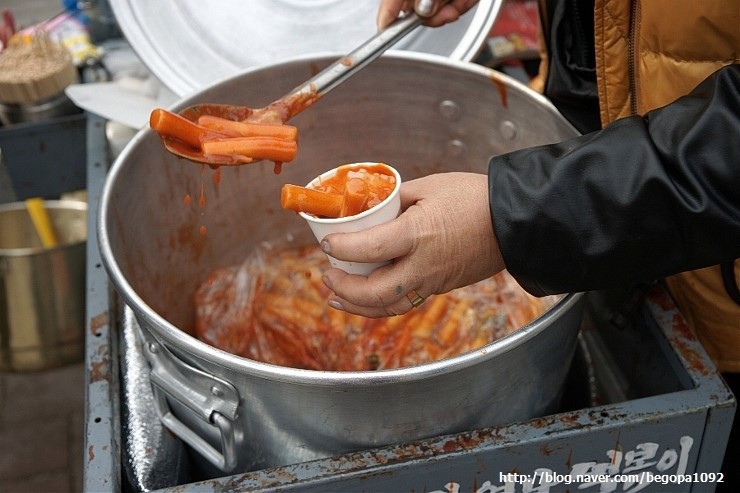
(349, 198)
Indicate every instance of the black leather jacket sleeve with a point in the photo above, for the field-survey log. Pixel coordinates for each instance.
(644, 198)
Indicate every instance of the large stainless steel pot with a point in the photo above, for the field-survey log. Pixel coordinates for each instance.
(422, 114)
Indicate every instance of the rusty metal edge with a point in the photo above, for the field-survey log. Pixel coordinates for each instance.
(703, 374)
(102, 456)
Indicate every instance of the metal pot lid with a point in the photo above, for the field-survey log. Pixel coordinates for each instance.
(190, 44)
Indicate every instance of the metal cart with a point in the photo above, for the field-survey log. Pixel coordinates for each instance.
(644, 410)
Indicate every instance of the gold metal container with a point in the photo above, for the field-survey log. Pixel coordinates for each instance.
(42, 290)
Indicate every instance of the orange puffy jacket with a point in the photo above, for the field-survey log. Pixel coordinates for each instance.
(648, 53)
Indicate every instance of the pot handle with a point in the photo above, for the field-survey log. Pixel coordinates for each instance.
(213, 400)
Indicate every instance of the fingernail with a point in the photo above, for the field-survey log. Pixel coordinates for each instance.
(327, 281)
(336, 305)
(325, 247)
(424, 7)
(383, 20)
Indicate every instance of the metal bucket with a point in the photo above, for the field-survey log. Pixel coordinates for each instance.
(422, 114)
(52, 107)
(42, 290)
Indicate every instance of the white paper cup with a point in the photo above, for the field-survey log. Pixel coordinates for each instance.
(384, 212)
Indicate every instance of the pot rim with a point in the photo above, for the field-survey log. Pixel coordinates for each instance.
(62, 204)
(170, 334)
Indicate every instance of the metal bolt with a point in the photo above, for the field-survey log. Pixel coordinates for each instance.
(152, 348)
(508, 129)
(449, 109)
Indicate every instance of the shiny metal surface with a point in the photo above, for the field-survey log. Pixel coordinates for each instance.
(359, 57)
(304, 95)
(213, 400)
(153, 454)
(203, 42)
(53, 107)
(420, 113)
(343, 68)
(42, 290)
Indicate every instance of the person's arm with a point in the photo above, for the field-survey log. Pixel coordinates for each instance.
(642, 199)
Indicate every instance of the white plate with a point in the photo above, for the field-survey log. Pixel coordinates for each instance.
(190, 44)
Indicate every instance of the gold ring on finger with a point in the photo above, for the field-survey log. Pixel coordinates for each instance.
(415, 299)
